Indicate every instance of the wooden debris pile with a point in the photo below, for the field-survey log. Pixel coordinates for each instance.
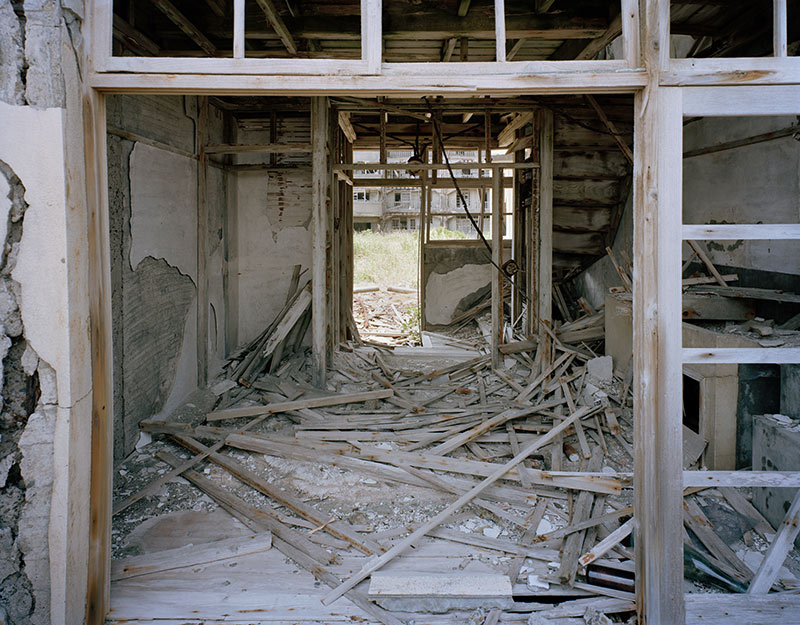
(538, 455)
(387, 316)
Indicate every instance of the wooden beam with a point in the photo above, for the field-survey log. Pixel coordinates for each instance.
(779, 28)
(497, 259)
(320, 179)
(500, 30)
(612, 128)
(182, 22)
(514, 50)
(463, 7)
(217, 6)
(347, 127)
(447, 49)
(597, 44)
(133, 39)
(238, 29)
(376, 563)
(544, 257)
(463, 49)
(658, 488)
(201, 139)
(275, 148)
(278, 25)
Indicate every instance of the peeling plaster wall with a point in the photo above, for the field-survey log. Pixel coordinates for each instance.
(274, 228)
(153, 210)
(757, 183)
(454, 278)
(45, 421)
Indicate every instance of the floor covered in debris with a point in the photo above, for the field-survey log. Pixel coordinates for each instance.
(251, 503)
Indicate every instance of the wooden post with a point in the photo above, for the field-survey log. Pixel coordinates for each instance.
(424, 234)
(658, 487)
(238, 29)
(544, 259)
(497, 259)
(779, 28)
(202, 241)
(230, 274)
(101, 482)
(500, 29)
(320, 176)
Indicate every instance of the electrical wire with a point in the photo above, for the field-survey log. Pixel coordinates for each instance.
(477, 228)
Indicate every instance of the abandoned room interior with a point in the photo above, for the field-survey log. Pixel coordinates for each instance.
(332, 311)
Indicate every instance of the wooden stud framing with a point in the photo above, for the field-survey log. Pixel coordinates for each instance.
(182, 22)
(101, 479)
(320, 175)
(544, 216)
(497, 259)
(718, 86)
(500, 30)
(201, 138)
(279, 26)
(779, 29)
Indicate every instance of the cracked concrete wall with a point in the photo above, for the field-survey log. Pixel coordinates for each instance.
(455, 276)
(758, 183)
(153, 221)
(274, 221)
(45, 419)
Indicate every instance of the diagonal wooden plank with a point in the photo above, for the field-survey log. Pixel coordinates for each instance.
(182, 22)
(781, 545)
(440, 518)
(278, 25)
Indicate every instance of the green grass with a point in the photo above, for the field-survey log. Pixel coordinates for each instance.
(390, 259)
(385, 259)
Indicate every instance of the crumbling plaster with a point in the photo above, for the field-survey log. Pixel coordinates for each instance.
(51, 274)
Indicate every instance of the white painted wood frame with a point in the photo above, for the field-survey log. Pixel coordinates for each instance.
(497, 259)
(238, 29)
(726, 102)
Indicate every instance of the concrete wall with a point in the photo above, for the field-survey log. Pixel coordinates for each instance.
(273, 213)
(455, 275)
(45, 421)
(757, 183)
(153, 211)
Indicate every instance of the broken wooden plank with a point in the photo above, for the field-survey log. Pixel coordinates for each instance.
(440, 518)
(781, 545)
(310, 402)
(607, 544)
(190, 555)
(701, 254)
(235, 468)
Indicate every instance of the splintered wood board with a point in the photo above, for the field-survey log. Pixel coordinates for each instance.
(262, 587)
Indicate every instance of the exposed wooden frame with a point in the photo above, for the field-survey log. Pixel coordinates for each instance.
(741, 479)
(733, 232)
(185, 24)
(500, 30)
(497, 260)
(201, 139)
(278, 25)
(544, 217)
(320, 180)
(297, 77)
(738, 355)
(780, 44)
(238, 29)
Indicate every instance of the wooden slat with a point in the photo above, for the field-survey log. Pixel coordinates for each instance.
(440, 518)
(238, 29)
(299, 404)
(780, 47)
(320, 180)
(277, 23)
(741, 355)
(182, 22)
(742, 479)
(781, 545)
(734, 232)
(497, 260)
(728, 609)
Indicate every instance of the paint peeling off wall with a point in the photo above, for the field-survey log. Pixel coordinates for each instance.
(153, 210)
(274, 217)
(455, 278)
